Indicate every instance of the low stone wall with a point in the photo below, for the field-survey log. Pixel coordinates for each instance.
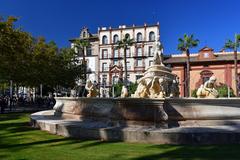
(176, 110)
(164, 121)
(123, 109)
(202, 109)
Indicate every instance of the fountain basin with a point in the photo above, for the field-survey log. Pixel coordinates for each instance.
(172, 121)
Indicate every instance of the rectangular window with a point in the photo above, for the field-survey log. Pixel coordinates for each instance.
(89, 51)
(115, 62)
(128, 54)
(104, 53)
(128, 65)
(139, 62)
(150, 51)
(104, 79)
(104, 67)
(115, 54)
(139, 52)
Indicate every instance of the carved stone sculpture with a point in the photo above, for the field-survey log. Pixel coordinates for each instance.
(142, 90)
(157, 88)
(208, 90)
(157, 52)
(91, 88)
(124, 92)
(158, 81)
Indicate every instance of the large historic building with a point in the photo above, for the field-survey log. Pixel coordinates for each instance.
(105, 62)
(91, 53)
(203, 65)
(139, 55)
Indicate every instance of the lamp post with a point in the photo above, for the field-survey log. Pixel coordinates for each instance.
(41, 86)
(11, 88)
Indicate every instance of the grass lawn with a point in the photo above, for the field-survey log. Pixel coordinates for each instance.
(18, 141)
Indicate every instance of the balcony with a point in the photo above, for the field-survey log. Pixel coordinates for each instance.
(139, 68)
(118, 57)
(139, 56)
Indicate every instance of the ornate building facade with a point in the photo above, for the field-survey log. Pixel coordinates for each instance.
(139, 55)
(105, 62)
(203, 65)
(91, 53)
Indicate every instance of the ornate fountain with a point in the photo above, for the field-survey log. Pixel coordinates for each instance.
(158, 81)
(154, 114)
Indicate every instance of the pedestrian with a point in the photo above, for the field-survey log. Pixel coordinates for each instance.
(2, 104)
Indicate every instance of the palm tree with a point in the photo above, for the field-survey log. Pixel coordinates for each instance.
(234, 46)
(184, 45)
(82, 45)
(124, 44)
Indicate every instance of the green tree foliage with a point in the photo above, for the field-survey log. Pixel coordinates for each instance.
(29, 61)
(118, 88)
(124, 44)
(223, 91)
(194, 93)
(15, 47)
(132, 88)
(81, 46)
(229, 44)
(184, 45)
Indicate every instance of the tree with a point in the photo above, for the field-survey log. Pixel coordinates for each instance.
(15, 47)
(52, 67)
(124, 44)
(27, 61)
(184, 45)
(234, 46)
(81, 46)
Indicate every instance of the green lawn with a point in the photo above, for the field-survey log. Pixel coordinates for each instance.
(19, 141)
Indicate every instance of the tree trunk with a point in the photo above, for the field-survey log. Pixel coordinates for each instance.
(125, 67)
(84, 72)
(236, 72)
(188, 74)
(84, 66)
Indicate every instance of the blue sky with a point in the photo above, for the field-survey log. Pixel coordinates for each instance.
(211, 21)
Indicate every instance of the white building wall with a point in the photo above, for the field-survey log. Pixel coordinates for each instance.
(133, 71)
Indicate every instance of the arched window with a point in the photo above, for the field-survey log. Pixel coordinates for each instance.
(151, 36)
(104, 40)
(115, 38)
(139, 37)
(127, 36)
(205, 75)
(84, 34)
